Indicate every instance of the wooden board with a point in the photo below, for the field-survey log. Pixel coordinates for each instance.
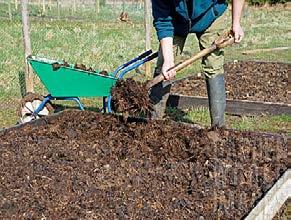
(273, 200)
(265, 50)
(235, 107)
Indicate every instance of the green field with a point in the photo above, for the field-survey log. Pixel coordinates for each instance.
(102, 42)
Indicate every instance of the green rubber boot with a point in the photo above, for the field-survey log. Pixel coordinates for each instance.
(217, 99)
(159, 96)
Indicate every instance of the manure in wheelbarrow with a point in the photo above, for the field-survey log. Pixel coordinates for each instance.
(89, 69)
(83, 67)
(104, 73)
(131, 98)
(79, 66)
(57, 66)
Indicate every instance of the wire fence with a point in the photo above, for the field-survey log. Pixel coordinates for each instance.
(100, 34)
(79, 10)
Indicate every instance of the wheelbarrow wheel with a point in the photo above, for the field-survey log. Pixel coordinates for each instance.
(29, 103)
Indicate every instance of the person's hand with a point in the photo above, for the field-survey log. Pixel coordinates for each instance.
(238, 33)
(168, 74)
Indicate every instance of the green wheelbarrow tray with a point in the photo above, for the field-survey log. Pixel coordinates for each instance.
(71, 82)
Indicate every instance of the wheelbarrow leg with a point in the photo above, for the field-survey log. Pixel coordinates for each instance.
(76, 99)
(42, 104)
(109, 98)
(104, 104)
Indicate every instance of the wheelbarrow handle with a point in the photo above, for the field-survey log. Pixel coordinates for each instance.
(151, 57)
(145, 54)
(137, 64)
(141, 56)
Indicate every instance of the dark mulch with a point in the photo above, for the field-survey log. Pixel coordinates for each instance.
(85, 165)
(245, 80)
(131, 97)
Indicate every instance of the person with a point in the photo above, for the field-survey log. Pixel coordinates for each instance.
(173, 21)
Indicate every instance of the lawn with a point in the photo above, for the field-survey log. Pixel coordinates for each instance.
(102, 42)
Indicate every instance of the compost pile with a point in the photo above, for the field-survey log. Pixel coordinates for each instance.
(131, 98)
(254, 81)
(85, 165)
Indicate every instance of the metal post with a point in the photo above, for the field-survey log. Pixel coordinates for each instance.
(147, 25)
(27, 46)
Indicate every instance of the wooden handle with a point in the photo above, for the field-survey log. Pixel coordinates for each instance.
(159, 78)
(155, 81)
(224, 40)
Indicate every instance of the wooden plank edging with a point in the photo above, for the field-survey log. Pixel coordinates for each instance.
(235, 107)
(271, 203)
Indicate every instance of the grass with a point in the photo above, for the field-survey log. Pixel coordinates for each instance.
(100, 41)
(264, 123)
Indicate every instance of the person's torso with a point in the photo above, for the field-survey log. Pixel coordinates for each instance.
(195, 15)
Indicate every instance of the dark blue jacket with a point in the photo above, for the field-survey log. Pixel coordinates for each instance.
(174, 17)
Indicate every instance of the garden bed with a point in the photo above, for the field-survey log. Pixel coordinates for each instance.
(81, 164)
(252, 88)
(245, 80)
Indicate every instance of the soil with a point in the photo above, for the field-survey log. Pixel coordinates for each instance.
(86, 165)
(131, 97)
(245, 80)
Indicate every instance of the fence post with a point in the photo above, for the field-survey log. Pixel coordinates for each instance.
(74, 6)
(27, 46)
(147, 25)
(15, 3)
(43, 7)
(9, 11)
(50, 4)
(97, 6)
(123, 5)
(58, 7)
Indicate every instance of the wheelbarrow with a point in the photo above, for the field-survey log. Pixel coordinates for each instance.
(68, 83)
